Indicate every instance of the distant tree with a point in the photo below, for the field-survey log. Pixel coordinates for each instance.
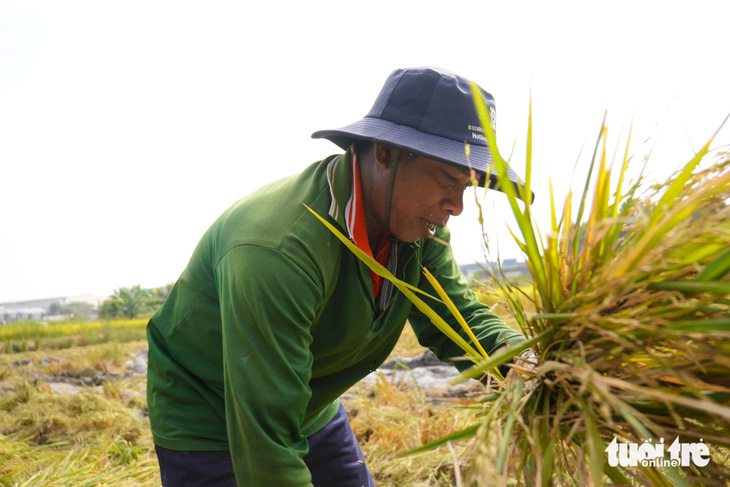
(55, 308)
(156, 297)
(109, 308)
(126, 302)
(130, 302)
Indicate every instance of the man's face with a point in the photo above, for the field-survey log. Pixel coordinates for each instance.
(425, 195)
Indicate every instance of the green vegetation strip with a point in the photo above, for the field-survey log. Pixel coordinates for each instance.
(26, 336)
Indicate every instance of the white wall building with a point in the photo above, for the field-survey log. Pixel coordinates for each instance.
(37, 309)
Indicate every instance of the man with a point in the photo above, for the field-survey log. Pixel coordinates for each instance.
(273, 318)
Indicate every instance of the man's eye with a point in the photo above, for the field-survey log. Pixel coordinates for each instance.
(450, 180)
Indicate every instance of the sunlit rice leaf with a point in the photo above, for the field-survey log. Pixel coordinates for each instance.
(455, 312)
(444, 327)
(658, 225)
(527, 193)
(373, 264)
(406, 289)
(523, 219)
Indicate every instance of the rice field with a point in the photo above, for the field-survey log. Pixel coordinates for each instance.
(73, 413)
(627, 313)
(33, 335)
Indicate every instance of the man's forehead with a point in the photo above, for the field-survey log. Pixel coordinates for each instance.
(453, 170)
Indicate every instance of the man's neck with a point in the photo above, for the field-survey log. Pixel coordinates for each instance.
(371, 197)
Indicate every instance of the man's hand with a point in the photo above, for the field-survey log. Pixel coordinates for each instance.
(525, 365)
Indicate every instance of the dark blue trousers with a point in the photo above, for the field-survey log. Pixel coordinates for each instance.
(334, 460)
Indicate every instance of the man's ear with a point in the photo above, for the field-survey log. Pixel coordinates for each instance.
(382, 154)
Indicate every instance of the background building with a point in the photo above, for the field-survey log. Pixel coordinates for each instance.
(511, 269)
(51, 309)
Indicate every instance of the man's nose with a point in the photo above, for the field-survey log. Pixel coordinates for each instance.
(454, 203)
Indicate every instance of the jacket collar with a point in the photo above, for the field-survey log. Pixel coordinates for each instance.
(339, 178)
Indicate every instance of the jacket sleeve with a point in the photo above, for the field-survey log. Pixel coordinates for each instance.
(488, 328)
(268, 304)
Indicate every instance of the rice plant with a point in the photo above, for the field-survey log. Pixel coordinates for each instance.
(628, 314)
(630, 319)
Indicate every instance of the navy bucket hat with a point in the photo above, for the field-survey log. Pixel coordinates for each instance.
(430, 112)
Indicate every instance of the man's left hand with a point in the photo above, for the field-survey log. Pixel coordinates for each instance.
(525, 365)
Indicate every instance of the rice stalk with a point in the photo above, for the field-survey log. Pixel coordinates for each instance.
(92, 437)
(631, 329)
(410, 291)
(390, 417)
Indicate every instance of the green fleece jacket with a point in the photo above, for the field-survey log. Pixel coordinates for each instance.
(273, 319)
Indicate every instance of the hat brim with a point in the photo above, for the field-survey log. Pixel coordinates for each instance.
(452, 152)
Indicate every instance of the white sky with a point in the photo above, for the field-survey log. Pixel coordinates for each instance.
(127, 127)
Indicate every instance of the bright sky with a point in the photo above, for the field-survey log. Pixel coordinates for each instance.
(127, 127)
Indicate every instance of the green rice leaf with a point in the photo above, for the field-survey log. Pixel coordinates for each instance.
(489, 397)
(596, 445)
(373, 264)
(665, 216)
(618, 195)
(509, 424)
(717, 269)
(531, 247)
(444, 327)
(582, 206)
(463, 434)
(554, 316)
(697, 286)
(406, 289)
(453, 309)
(615, 474)
(460, 319)
(704, 326)
(498, 359)
(527, 190)
(678, 183)
(704, 405)
(548, 457)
